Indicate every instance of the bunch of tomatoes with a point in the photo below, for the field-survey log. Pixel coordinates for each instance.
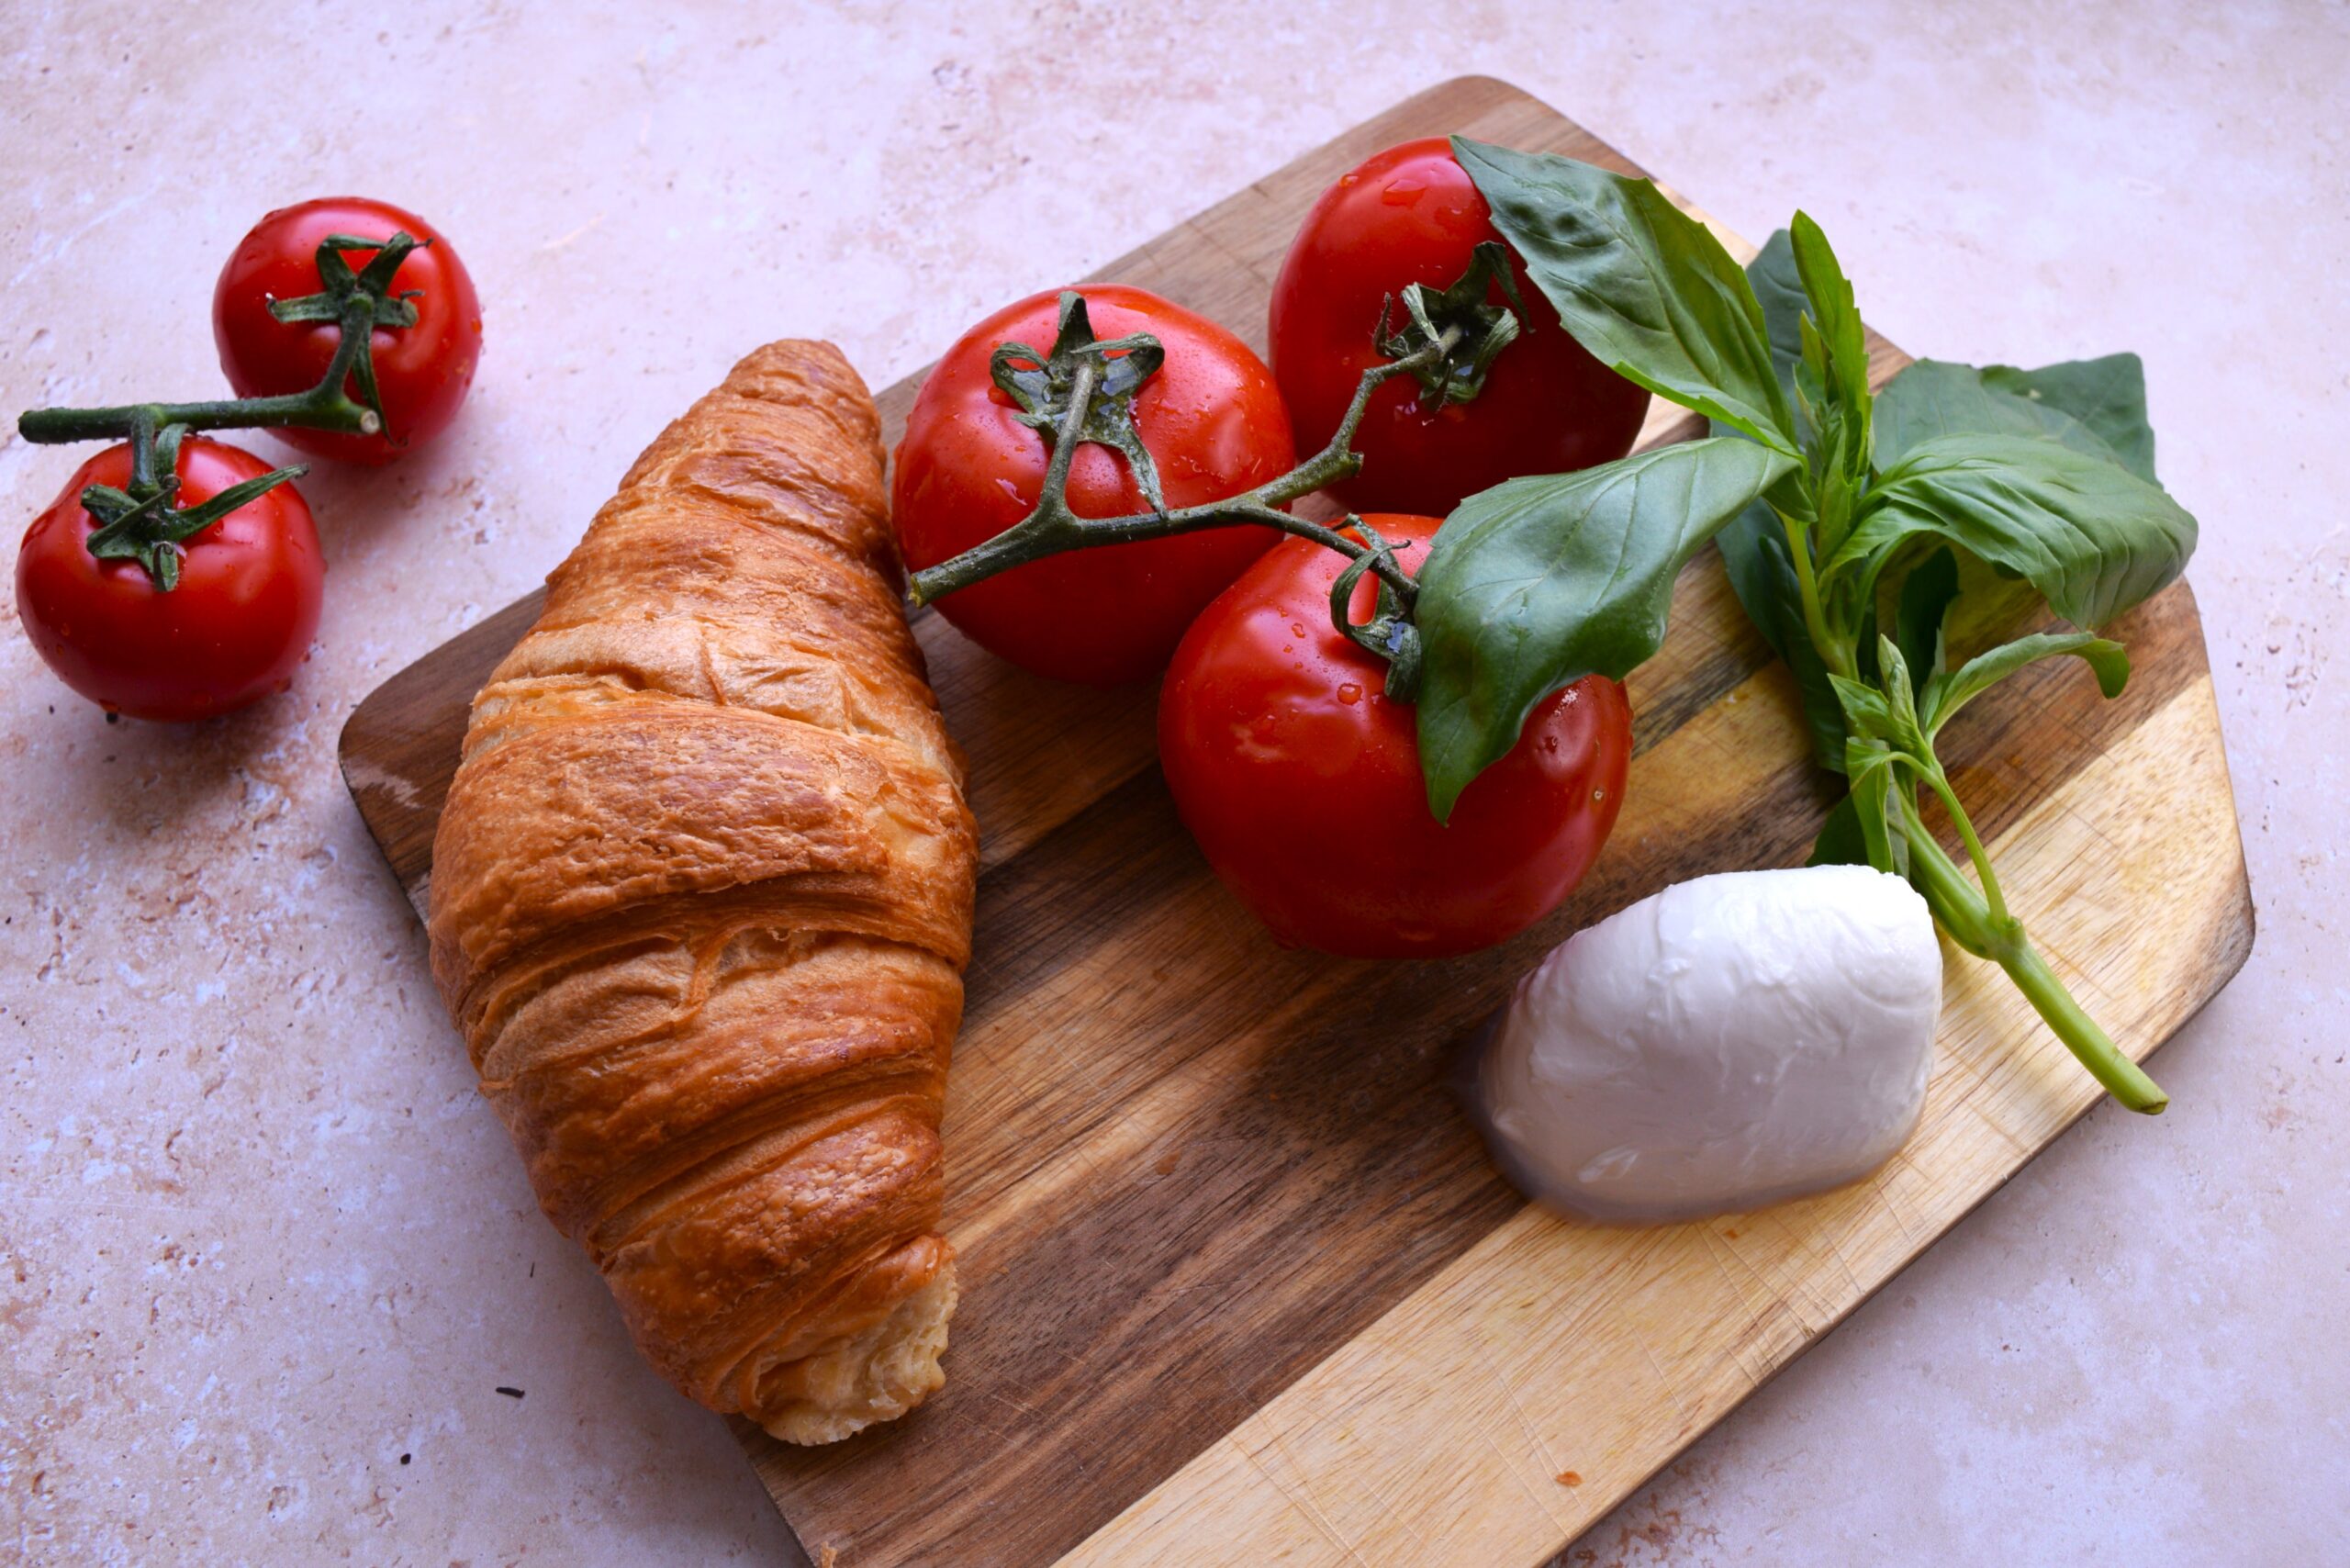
(1292, 766)
(1291, 763)
(234, 615)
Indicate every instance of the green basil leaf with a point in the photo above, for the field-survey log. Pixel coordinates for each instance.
(1866, 710)
(1886, 736)
(1885, 714)
(2106, 395)
(1754, 557)
(1778, 288)
(1945, 695)
(1763, 575)
(1841, 841)
(1901, 694)
(1754, 545)
(1923, 606)
(1543, 580)
(2095, 406)
(1637, 282)
(2093, 538)
(1863, 644)
(1869, 836)
(1844, 344)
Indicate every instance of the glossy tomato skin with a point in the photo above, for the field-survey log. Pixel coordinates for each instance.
(229, 634)
(1301, 781)
(968, 469)
(1412, 215)
(423, 371)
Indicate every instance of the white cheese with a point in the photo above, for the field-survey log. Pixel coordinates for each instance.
(1731, 1041)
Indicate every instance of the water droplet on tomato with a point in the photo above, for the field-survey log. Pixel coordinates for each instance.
(1550, 744)
(1349, 693)
(1297, 628)
(1597, 796)
(1009, 489)
(1405, 190)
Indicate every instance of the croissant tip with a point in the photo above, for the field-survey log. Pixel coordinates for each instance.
(874, 1376)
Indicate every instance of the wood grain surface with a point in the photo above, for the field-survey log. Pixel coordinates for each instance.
(1240, 1285)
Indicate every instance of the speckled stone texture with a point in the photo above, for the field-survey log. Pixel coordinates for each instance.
(265, 1260)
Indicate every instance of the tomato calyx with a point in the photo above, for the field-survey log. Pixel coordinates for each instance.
(1473, 330)
(1065, 383)
(349, 297)
(1047, 387)
(141, 524)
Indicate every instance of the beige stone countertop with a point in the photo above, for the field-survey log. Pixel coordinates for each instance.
(264, 1256)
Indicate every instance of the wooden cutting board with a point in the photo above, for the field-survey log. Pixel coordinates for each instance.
(1239, 1286)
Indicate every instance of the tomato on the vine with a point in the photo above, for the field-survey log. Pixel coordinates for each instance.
(422, 370)
(231, 631)
(968, 468)
(1300, 778)
(1412, 215)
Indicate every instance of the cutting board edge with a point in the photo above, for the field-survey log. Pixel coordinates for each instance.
(2240, 925)
(2243, 935)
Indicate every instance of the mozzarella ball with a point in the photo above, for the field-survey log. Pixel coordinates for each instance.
(1731, 1041)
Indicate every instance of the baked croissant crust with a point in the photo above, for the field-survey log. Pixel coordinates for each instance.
(700, 901)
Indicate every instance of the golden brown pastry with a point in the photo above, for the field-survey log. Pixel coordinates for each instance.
(701, 901)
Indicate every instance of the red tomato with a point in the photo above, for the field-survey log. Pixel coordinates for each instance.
(1412, 215)
(421, 371)
(968, 469)
(1301, 781)
(231, 632)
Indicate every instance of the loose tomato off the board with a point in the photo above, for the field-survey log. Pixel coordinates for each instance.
(969, 468)
(1300, 778)
(1412, 215)
(422, 371)
(231, 631)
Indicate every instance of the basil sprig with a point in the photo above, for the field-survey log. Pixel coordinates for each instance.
(1841, 516)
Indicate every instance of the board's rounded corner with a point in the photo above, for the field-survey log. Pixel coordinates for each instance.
(1479, 82)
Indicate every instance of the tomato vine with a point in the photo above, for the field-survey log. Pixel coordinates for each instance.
(1082, 390)
(138, 522)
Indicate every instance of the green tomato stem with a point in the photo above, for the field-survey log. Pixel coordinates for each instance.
(1052, 526)
(326, 405)
(306, 409)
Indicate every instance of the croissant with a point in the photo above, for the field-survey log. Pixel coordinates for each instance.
(701, 901)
